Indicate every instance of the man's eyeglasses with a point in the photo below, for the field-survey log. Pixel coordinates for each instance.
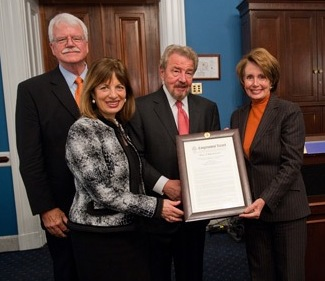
(64, 40)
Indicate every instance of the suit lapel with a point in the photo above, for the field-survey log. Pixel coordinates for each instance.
(243, 116)
(194, 112)
(61, 90)
(165, 114)
(267, 120)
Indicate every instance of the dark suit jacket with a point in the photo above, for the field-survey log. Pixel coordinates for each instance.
(45, 111)
(153, 131)
(276, 157)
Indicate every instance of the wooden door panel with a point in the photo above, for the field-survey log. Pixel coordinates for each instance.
(130, 45)
(321, 55)
(315, 257)
(266, 27)
(323, 122)
(131, 49)
(301, 48)
(136, 42)
(313, 118)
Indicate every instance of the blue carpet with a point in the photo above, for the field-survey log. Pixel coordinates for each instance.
(224, 260)
(30, 265)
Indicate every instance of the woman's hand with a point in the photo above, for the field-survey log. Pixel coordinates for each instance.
(170, 212)
(254, 210)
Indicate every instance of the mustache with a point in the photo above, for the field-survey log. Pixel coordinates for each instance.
(181, 85)
(70, 50)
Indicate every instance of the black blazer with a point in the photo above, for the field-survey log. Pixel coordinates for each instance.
(153, 131)
(276, 157)
(45, 111)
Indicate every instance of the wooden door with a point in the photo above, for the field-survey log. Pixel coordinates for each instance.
(321, 56)
(315, 254)
(127, 32)
(267, 32)
(313, 117)
(302, 63)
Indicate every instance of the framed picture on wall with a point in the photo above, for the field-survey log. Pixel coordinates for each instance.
(208, 67)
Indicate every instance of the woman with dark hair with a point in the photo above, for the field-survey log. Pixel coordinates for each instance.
(110, 195)
(273, 136)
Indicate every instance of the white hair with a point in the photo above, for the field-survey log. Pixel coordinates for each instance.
(69, 19)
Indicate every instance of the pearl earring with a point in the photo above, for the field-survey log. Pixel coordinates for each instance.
(93, 101)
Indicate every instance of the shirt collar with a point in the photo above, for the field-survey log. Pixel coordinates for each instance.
(172, 100)
(70, 77)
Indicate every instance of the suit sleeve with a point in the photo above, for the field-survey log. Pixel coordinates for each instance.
(30, 151)
(234, 120)
(292, 141)
(137, 134)
(215, 119)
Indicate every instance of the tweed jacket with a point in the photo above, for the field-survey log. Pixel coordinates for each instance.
(100, 166)
(276, 157)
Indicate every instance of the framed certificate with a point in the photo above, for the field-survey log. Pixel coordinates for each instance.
(213, 175)
(208, 67)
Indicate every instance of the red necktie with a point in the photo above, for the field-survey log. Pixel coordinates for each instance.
(182, 119)
(78, 91)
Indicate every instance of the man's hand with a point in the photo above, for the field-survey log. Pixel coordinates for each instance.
(55, 221)
(172, 189)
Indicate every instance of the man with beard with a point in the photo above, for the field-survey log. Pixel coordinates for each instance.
(45, 110)
(153, 130)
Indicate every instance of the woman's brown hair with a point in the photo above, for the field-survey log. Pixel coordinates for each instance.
(262, 58)
(100, 72)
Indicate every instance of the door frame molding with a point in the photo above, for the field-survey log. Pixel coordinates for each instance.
(20, 56)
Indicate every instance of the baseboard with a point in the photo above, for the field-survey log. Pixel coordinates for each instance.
(9, 243)
(28, 241)
(32, 240)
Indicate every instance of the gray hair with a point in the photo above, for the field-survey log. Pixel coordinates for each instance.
(68, 19)
(184, 51)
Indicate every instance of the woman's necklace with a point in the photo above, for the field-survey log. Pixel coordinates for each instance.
(125, 137)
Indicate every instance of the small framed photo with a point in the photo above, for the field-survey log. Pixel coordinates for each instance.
(208, 67)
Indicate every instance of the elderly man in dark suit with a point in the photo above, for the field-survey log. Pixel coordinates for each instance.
(45, 110)
(153, 130)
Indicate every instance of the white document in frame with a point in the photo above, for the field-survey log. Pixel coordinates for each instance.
(213, 176)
